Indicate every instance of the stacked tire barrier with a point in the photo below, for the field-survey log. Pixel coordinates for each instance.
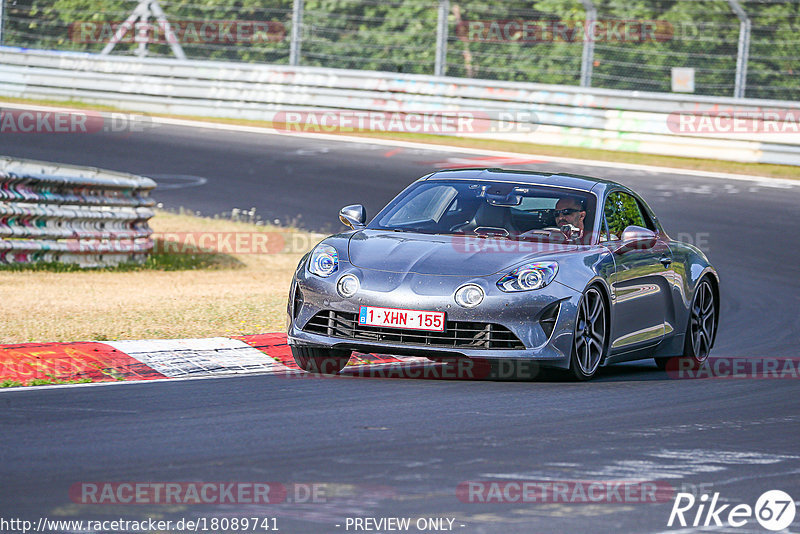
(68, 214)
(630, 121)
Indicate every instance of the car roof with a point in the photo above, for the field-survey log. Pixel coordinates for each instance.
(561, 179)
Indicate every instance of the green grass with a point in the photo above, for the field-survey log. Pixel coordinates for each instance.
(157, 261)
(42, 382)
(179, 292)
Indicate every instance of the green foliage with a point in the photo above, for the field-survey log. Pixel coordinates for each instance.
(533, 59)
(42, 382)
(387, 36)
(621, 211)
(400, 36)
(157, 261)
(57, 24)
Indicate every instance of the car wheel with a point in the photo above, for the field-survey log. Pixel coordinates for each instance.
(589, 340)
(319, 360)
(702, 327)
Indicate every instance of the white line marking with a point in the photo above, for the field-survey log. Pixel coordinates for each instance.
(762, 180)
(187, 357)
(178, 181)
(115, 383)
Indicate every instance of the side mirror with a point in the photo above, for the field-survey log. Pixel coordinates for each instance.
(354, 216)
(636, 238)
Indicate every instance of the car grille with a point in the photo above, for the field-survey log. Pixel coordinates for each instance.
(457, 333)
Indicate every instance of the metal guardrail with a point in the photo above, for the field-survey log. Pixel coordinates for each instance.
(543, 114)
(68, 214)
(740, 48)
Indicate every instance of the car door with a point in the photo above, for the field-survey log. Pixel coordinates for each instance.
(643, 277)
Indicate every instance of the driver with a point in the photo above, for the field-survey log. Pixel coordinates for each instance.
(570, 210)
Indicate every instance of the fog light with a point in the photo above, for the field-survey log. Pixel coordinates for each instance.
(347, 285)
(469, 296)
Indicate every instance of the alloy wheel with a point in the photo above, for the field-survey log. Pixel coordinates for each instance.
(590, 332)
(703, 321)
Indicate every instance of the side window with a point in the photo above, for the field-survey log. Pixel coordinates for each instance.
(622, 210)
(648, 220)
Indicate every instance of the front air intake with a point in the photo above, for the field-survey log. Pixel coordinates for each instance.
(461, 334)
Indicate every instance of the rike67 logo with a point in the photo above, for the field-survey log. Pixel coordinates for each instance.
(774, 510)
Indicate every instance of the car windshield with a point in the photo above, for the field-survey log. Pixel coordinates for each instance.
(495, 209)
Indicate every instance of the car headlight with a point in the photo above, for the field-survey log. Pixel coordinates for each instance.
(324, 261)
(529, 276)
(469, 296)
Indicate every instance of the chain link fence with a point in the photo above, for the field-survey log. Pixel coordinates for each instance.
(741, 48)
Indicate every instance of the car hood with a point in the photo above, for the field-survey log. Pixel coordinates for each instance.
(405, 252)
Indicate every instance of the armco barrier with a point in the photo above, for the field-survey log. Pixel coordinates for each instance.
(556, 115)
(68, 214)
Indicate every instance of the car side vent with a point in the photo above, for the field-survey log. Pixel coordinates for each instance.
(297, 302)
(548, 318)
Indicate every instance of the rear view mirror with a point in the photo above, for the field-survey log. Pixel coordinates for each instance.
(354, 216)
(507, 201)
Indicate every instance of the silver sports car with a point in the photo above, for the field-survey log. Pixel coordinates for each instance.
(563, 270)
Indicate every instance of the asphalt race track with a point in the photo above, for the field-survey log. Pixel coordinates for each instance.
(401, 447)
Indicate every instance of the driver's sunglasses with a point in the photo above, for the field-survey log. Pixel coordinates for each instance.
(568, 211)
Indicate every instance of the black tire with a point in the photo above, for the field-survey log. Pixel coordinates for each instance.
(589, 340)
(700, 331)
(319, 360)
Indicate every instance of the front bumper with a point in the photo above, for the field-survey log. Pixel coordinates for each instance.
(520, 313)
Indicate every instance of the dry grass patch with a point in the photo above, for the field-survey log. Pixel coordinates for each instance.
(208, 295)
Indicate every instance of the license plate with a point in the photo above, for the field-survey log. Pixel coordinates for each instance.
(399, 318)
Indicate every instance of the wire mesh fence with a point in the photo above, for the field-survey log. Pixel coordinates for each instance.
(370, 34)
(719, 47)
